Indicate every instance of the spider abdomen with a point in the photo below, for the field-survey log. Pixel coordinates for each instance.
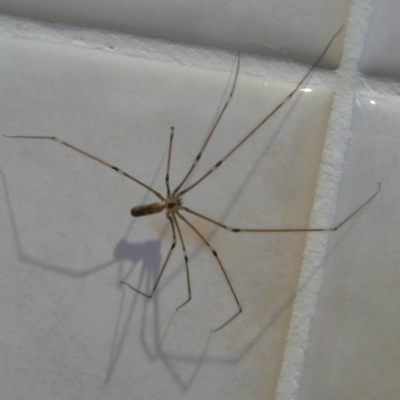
(147, 209)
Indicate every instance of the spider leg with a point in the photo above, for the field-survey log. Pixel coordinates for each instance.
(277, 230)
(186, 262)
(215, 254)
(171, 138)
(261, 123)
(93, 158)
(196, 160)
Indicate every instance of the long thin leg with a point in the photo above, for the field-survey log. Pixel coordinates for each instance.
(260, 124)
(171, 138)
(150, 295)
(329, 229)
(222, 269)
(196, 160)
(186, 262)
(93, 158)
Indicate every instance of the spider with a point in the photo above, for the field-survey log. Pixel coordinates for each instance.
(172, 202)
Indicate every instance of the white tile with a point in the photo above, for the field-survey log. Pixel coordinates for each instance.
(292, 29)
(354, 346)
(67, 236)
(381, 55)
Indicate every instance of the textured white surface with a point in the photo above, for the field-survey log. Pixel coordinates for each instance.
(64, 332)
(381, 54)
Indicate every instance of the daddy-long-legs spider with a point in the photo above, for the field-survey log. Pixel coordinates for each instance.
(172, 202)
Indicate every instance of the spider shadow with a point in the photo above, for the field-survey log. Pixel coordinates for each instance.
(148, 254)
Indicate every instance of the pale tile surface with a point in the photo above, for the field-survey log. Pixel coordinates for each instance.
(292, 29)
(68, 330)
(381, 54)
(354, 346)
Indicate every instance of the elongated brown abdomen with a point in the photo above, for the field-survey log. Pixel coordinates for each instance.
(147, 209)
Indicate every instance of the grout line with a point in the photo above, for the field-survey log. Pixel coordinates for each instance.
(348, 82)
